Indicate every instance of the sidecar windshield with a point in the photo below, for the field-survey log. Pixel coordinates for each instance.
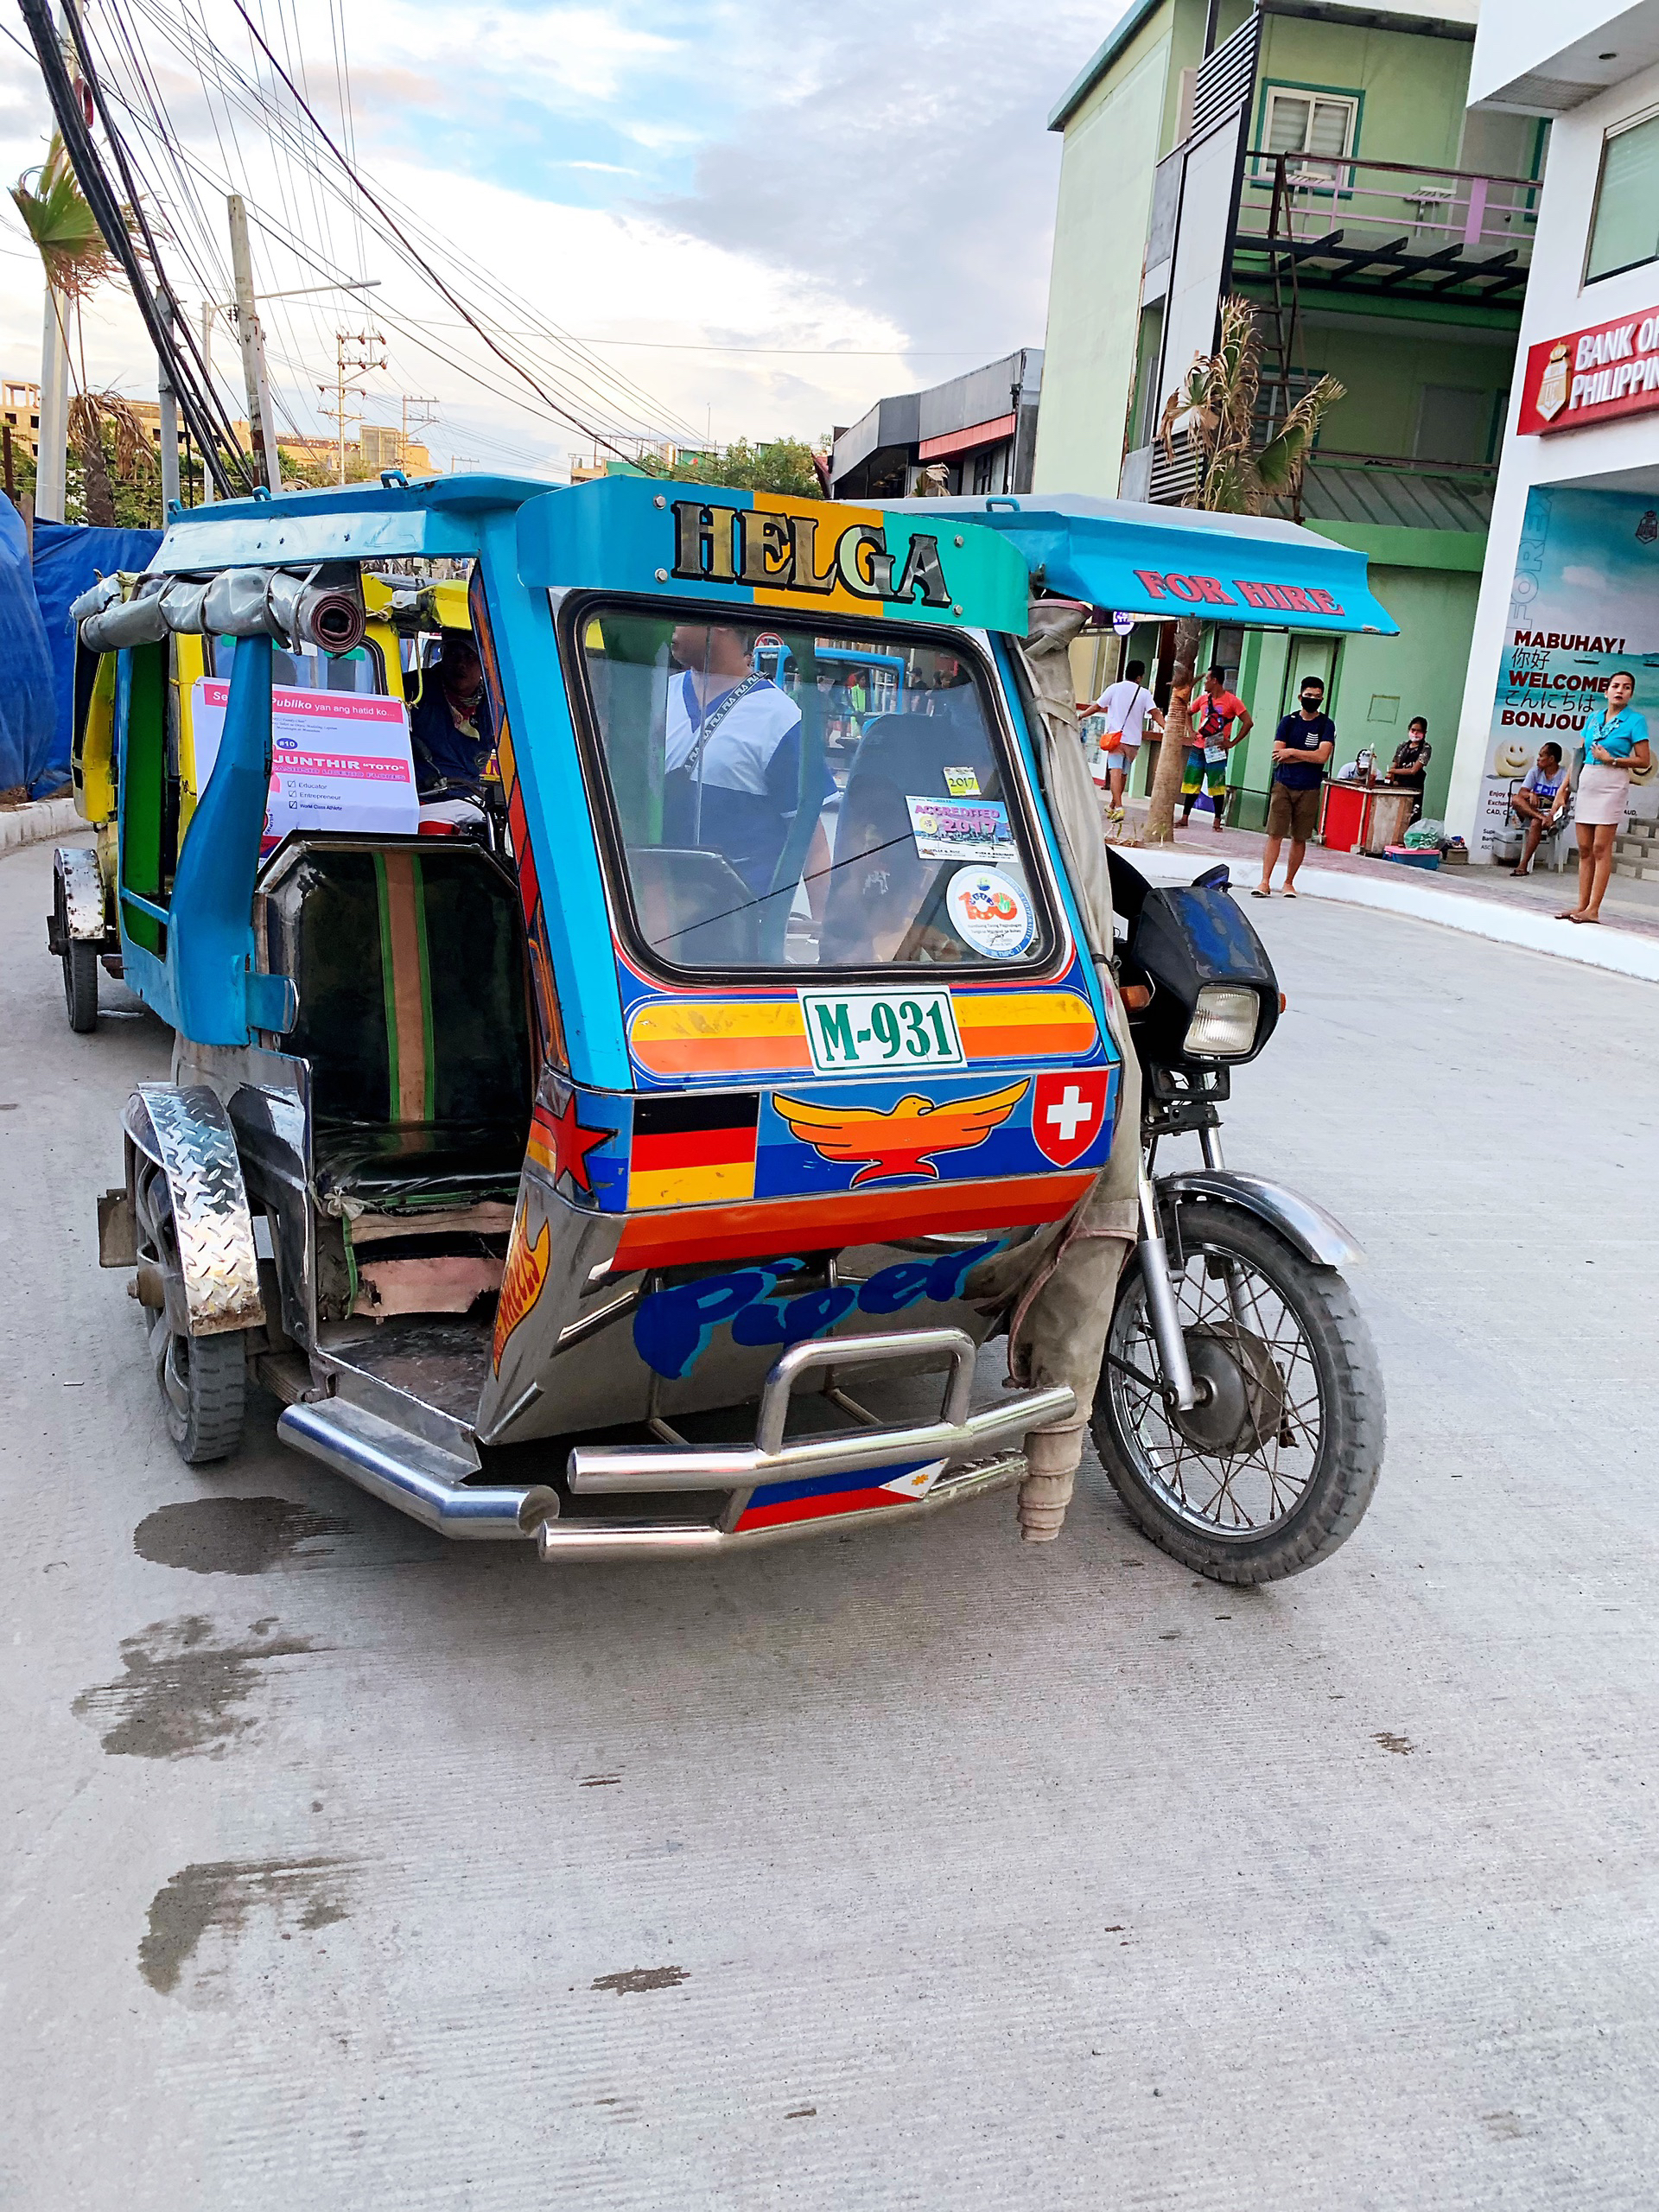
(785, 799)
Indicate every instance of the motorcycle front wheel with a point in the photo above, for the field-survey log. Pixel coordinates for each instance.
(1275, 1466)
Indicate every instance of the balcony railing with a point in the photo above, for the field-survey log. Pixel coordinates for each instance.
(1387, 228)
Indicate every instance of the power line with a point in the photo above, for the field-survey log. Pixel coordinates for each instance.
(231, 87)
(285, 139)
(437, 281)
(804, 352)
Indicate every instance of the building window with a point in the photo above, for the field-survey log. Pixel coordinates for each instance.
(1624, 229)
(1320, 125)
(1147, 399)
(1453, 423)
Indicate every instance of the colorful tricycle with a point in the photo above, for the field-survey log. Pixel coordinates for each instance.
(600, 1163)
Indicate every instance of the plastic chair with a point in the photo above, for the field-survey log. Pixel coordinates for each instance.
(1553, 843)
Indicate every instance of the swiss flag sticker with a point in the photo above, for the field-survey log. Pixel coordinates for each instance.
(1068, 1113)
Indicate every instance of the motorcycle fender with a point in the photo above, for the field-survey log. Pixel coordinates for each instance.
(1306, 1227)
(187, 1132)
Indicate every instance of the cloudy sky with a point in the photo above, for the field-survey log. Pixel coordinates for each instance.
(786, 210)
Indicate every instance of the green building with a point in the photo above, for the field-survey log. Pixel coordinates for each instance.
(1316, 158)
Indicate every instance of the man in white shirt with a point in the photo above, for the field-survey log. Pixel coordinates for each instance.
(733, 757)
(1127, 706)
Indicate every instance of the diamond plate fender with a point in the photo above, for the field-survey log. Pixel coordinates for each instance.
(76, 869)
(189, 1134)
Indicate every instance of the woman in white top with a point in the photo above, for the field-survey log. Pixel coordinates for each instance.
(1126, 705)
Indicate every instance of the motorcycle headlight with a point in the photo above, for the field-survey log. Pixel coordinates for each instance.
(1223, 1022)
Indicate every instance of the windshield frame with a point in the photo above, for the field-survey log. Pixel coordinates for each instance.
(1053, 952)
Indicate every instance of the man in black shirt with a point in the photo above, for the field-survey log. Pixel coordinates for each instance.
(1301, 745)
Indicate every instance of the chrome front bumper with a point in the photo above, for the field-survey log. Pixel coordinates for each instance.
(437, 1487)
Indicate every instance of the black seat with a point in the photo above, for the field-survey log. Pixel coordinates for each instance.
(409, 969)
(694, 908)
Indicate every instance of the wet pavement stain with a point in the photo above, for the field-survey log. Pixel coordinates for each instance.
(221, 1893)
(178, 1697)
(639, 1978)
(233, 1535)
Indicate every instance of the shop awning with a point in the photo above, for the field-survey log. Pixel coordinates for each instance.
(946, 448)
(1159, 563)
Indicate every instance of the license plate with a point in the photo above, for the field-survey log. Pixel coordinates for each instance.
(881, 1029)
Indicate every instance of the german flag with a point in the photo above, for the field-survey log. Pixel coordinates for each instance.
(693, 1152)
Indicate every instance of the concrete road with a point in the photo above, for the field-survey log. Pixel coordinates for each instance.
(347, 1870)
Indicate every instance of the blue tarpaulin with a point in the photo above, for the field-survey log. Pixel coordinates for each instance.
(69, 558)
(28, 710)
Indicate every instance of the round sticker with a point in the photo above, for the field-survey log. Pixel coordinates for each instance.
(991, 912)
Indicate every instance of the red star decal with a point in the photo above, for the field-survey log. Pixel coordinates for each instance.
(567, 1142)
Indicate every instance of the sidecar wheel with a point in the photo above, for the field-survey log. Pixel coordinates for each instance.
(79, 973)
(202, 1380)
(204, 1386)
(1274, 1471)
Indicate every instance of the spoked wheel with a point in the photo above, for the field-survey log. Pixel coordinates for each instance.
(1274, 1467)
(79, 972)
(203, 1379)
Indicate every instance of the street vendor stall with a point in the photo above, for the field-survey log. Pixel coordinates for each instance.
(1361, 816)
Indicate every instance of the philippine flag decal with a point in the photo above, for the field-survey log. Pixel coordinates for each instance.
(1068, 1113)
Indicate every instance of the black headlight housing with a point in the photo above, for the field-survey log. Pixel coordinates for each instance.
(1214, 996)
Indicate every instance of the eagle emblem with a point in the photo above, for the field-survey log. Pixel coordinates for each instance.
(900, 1140)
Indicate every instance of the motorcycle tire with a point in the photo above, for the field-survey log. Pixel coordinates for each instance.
(1307, 1336)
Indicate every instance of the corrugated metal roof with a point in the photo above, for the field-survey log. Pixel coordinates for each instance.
(1394, 498)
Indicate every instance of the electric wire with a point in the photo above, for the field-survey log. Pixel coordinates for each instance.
(586, 378)
(433, 275)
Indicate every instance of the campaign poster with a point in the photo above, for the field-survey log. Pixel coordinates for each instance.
(338, 760)
(1583, 604)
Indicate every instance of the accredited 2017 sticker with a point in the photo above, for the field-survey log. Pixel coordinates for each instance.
(989, 911)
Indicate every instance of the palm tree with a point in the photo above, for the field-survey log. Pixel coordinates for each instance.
(64, 232)
(1214, 407)
(90, 413)
(62, 227)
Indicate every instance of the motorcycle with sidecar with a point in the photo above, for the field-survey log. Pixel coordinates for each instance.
(604, 1164)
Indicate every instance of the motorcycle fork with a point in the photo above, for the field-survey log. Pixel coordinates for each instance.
(1162, 1309)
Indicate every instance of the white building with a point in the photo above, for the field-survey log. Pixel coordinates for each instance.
(1570, 591)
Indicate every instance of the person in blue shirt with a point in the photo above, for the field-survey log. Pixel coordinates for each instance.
(450, 730)
(1301, 745)
(1540, 801)
(1614, 742)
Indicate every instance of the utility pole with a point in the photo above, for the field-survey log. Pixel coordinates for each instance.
(52, 463)
(422, 421)
(208, 311)
(344, 368)
(52, 459)
(262, 425)
(169, 405)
